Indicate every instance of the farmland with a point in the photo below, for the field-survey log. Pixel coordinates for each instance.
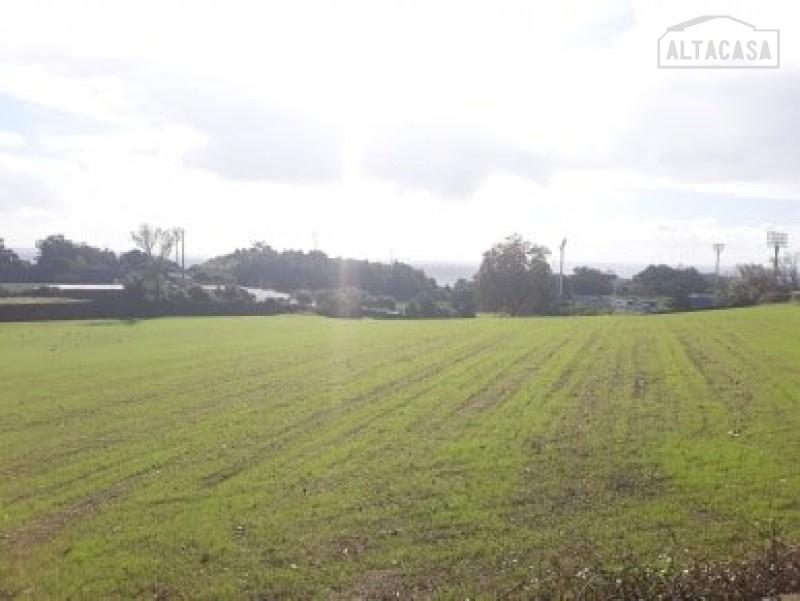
(303, 457)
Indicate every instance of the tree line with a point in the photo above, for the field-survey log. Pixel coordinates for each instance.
(329, 285)
(60, 260)
(265, 267)
(514, 277)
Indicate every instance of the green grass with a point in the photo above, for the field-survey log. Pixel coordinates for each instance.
(302, 457)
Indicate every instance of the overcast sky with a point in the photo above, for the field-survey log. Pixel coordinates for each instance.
(419, 130)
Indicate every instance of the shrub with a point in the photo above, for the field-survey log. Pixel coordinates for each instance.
(341, 302)
(198, 294)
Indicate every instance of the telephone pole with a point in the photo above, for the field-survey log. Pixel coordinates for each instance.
(180, 249)
(718, 248)
(183, 254)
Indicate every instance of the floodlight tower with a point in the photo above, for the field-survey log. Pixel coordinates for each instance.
(718, 248)
(561, 269)
(777, 241)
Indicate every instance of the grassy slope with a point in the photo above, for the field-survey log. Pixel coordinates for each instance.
(294, 457)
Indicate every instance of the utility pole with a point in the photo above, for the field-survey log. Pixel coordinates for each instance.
(718, 248)
(183, 254)
(561, 269)
(180, 248)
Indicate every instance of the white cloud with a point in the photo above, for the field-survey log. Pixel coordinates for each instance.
(363, 120)
(252, 141)
(11, 140)
(23, 191)
(452, 161)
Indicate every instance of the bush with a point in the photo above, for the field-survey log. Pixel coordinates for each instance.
(423, 305)
(341, 302)
(385, 303)
(776, 296)
(750, 285)
(198, 294)
(463, 298)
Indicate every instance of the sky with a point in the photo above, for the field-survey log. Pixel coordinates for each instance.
(421, 131)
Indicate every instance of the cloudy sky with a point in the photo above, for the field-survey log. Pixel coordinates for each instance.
(417, 130)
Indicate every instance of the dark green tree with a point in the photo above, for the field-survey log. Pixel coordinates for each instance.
(463, 298)
(515, 278)
(62, 260)
(293, 270)
(12, 268)
(590, 281)
(663, 280)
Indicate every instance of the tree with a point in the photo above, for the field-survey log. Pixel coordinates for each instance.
(422, 305)
(515, 277)
(590, 281)
(12, 268)
(750, 284)
(340, 302)
(7, 256)
(790, 269)
(156, 244)
(462, 298)
(663, 280)
(62, 260)
(133, 263)
(292, 270)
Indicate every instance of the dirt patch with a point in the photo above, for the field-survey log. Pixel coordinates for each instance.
(350, 546)
(771, 574)
(635, 480)
(378, 585)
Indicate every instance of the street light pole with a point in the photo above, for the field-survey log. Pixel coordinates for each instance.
(183, 254)
(718, 248)
(561, 269)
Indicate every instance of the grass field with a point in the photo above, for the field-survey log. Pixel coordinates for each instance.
(302, 457)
